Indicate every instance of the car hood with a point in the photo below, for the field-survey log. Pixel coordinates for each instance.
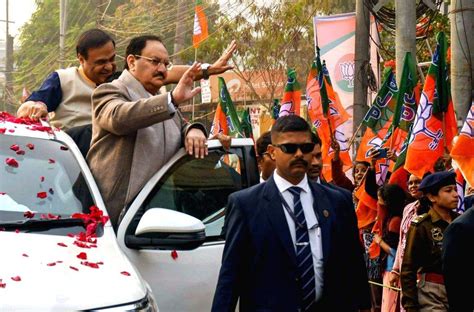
(41, 264)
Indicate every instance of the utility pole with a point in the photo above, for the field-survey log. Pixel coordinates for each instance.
(8, 91)
(62, 30)
(180, 30)
(361, 63)
(462, 55)
(405, 32)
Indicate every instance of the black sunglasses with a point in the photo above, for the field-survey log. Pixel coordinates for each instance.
(291, 148)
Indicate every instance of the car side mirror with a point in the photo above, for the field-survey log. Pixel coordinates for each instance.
(167, 229)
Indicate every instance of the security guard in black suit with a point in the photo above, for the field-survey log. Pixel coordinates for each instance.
(458, 257)
(422, 260)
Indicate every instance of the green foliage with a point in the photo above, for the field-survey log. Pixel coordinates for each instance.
(38, 55)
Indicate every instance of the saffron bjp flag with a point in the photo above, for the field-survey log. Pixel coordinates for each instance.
(463, 149)
(219, 123)
(233, 122)
(378, 117)
(200, 31)
(291, 102)
(320, 94)
(366, 210)
(405, 111)
(435, 123)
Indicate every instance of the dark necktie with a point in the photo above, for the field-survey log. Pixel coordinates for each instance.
(304, 257)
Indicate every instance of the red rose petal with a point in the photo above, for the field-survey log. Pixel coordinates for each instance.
(25, 255)
(11, 162)
(73, 268)
(11, 130)
(59, 261)
(90, 264)
(174, 254)
(51, 264)
(2, 130)
(2, 193)
(82, 256)
(17, 231)
(42, 179)
(62, 245)
(64, 148)
(125, 273)
(28, 214)
(2, 285)
(15, 147)
(81, 244)
(20, 152)
(42, 195)
(30, 146)
(70, 234)
(16, 278)
(100, 263)
(51, 161)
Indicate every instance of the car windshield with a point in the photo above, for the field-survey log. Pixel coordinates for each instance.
(40, 179)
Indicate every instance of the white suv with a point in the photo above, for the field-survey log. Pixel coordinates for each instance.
(168, 245)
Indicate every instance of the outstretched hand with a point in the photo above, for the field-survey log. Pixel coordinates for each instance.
(221, 65)
(33, 110)
(185, 88)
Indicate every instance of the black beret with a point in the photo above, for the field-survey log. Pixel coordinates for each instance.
(437, 180)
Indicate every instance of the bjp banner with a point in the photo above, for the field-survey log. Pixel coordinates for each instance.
(463, 149)
(200, 31)
(435, 123)
(335, 36)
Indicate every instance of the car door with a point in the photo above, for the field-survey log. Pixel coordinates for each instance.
(185, 280)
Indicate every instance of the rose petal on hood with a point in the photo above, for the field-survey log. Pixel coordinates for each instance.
(30, 146)
(16, 278)
(28, 214)
(42, 195)
(11, 162)
(125, 273)
(174, 254)
(15, 147)
(82, 256)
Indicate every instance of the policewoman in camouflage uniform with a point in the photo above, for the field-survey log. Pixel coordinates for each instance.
(422, 276)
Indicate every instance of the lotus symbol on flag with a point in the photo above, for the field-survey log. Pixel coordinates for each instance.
(419, 126)
(286, 108)
(347, 71)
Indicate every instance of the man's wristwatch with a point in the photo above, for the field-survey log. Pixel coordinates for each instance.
(205, 73)
(171, 99)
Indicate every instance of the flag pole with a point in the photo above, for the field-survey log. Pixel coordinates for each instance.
(351, 141)
(194, 85)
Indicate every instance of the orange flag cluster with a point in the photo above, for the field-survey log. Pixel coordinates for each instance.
(327, 116)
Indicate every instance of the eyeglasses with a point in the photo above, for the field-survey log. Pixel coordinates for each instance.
(156, 62)
(291, 148)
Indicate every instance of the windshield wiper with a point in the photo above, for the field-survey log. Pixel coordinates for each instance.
(41, 224)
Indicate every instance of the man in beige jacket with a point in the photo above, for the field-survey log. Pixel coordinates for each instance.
(136, 130)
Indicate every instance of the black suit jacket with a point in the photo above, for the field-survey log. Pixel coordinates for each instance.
(259, 261)
(458, 259)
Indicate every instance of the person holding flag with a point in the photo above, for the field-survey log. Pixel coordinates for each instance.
(435, 123)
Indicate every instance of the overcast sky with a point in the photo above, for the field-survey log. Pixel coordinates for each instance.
(19, 12)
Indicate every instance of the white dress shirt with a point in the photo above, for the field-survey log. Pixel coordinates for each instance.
(311, 222)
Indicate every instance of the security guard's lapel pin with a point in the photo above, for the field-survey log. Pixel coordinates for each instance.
(326, 213)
